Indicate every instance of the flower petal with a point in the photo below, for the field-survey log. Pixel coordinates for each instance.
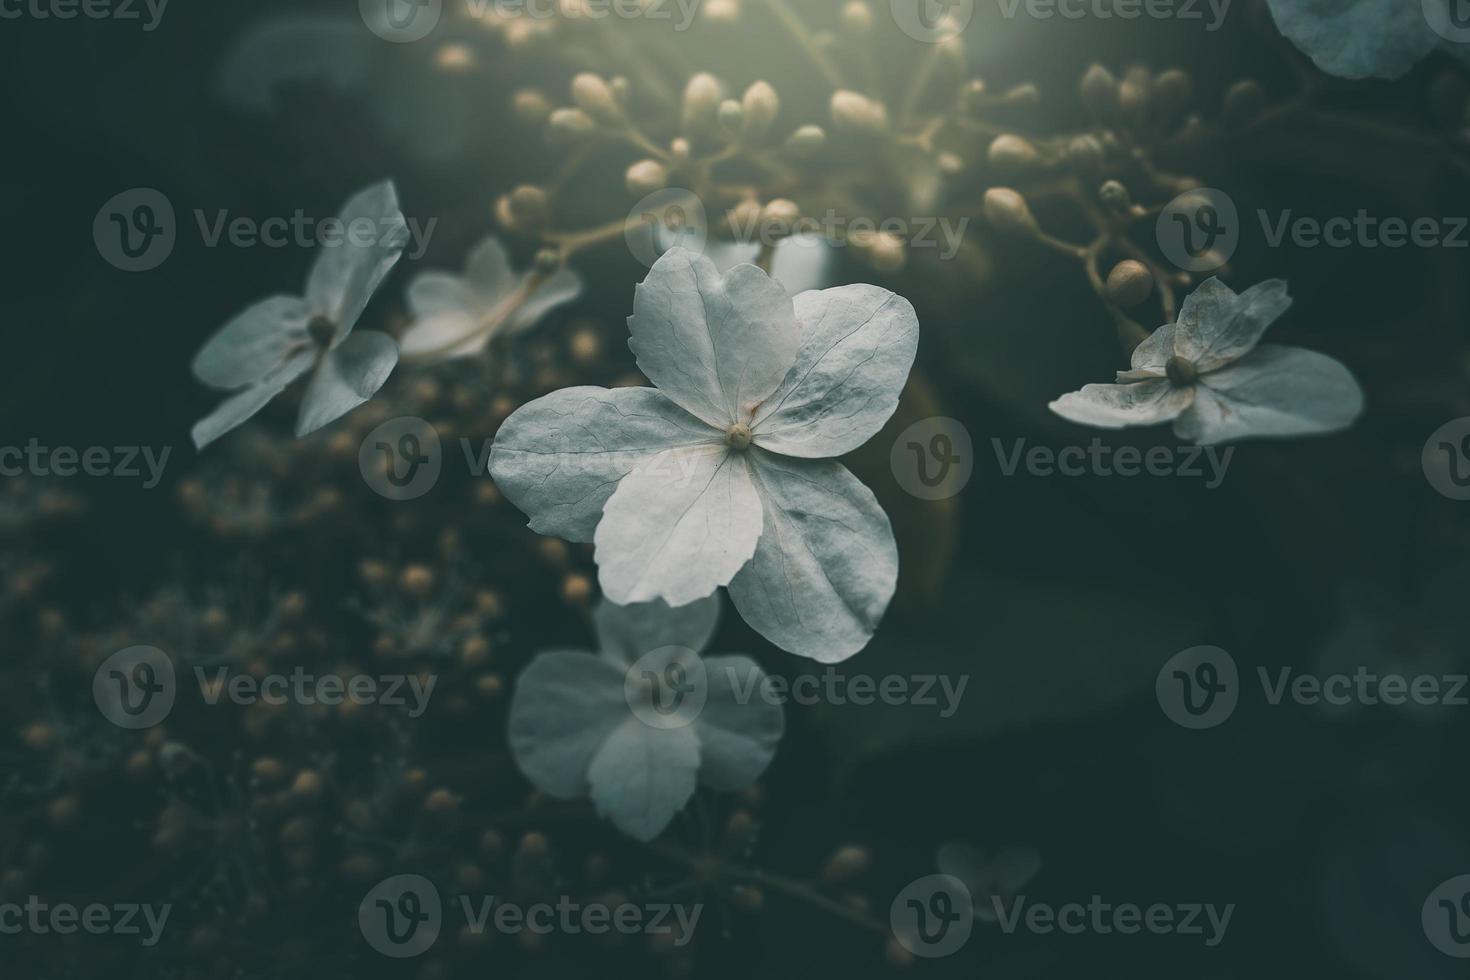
(561, 288)
(1116, 406)
(253, 344)
(347, 273)
(444, 335)
(1150, 357)
(642, 776)
(800, 262)
(565, 706)
(561, 456)
(678, 526)
(1216, 326)
(1272, 391)
(717, 345)
(235, 411)
(625, 633)
(430, 293)
(739, 728)
(1357, 38)
(857, 346)
(826, 564)
(488, 271)
(349, 374)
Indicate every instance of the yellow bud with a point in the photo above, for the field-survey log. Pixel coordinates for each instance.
(1130, 283)
(857, 17)
(646, 176)
(531, 107)
(595, 97)
(567, 126)
(806, 142)
(1006, 210)
(702, 97)
(761, 105)
(856, 113)
(1012, 153)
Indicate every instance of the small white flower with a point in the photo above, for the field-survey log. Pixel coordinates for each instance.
(723, 475)
(1208, 375)
(576, 729)
(456, 316)
(1364, 38)
(989, 877)
(271, 344)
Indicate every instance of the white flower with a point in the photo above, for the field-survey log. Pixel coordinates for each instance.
(989, 877)
(798, 262)
(455, 316)
(262, 350)
(1365, 38)
(1207, 374)
(722, 475)
(637, 726)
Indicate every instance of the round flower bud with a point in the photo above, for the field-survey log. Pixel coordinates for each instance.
(855, 113)
(1243, 102)
(950, 164)
(730, 115)
(646, 176)
(742, 220)
(529, 207)
(568, 126)
(1085, 153)
(857, 18)
(722, 11)
(779, 217)
(622, 91)
(1172, 91)
(1006, 210)
(846, 863)
(595, 97)
(1114, 195)
(883, 250)
(1012, 153)
(702, 97)
(1024, 96)
(531, 107)
(1130, 283)
(1133, 94)
(1099, 92)
(679, 148)
(761, 104)
(807, 142)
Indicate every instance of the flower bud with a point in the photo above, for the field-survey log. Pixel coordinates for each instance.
(645, 177)
(1099, 92)
(1133, 94)
(569, 126)
(730, 116)
(1243, 102)
(595, 97)
(1115, 196)
(807, 142)
(761, 104)
(622, 91)
(1011, 153)
(1172, 91)
(1130, 283)
(701, 98)
(1006, 210)
(950, 164)
(855, 113)
(1024, 96)
(529, 207)
(883, 250)
(679, 149)
(857, 18)
(779, 217)
(531, 107)
(722, 11)
(1085, 153)
(846, 863)
(743, 219)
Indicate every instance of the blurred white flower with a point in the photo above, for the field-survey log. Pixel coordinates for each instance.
(640, 724)
(455, 316)
(724, 474)
(1208, 375)
(1001, 875)
(271, 344)
(1367, 38)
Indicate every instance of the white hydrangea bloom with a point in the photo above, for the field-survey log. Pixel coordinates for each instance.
(1209, 374)
(724, 474)
(1366, 38)
(458, 315)
(603, 725)
(271, 344)
(988, 877)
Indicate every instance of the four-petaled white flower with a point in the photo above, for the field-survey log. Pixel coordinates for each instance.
(271, 344)
(638, 726)
(1368, 38)
(456, 316)
(1208, 375)
(723, 475)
